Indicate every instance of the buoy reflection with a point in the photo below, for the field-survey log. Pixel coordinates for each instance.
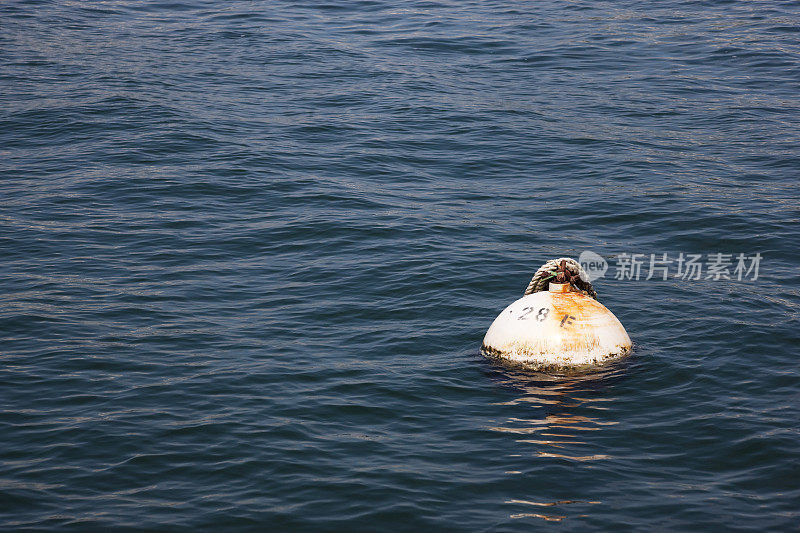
(567, 414)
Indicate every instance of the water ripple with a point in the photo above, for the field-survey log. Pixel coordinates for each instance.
(249, 252)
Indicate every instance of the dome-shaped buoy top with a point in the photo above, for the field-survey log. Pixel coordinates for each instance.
(559, 327)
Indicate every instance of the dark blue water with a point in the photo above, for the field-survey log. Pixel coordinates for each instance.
(248, 253)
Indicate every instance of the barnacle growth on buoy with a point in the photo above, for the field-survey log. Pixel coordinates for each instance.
(557, 323)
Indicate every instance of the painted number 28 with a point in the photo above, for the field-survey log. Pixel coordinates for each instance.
(540, 315)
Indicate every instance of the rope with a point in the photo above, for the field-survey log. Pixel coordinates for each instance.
(561, 269)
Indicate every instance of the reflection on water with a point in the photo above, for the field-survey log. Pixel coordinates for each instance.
(565, 417)
(549, 518)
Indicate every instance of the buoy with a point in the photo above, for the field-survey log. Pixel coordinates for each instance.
(559, 327)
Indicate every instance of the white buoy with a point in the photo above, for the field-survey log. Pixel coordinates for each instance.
(559, 327)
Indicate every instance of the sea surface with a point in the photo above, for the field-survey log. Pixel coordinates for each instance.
(249, 250)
